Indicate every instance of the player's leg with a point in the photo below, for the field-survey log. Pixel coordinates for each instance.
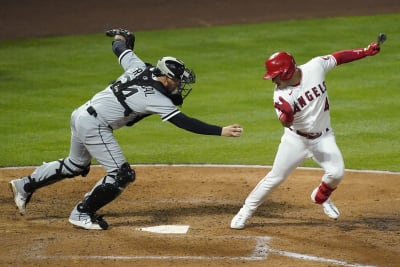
(106, 190)
(77, 163)
(327, 154)
(291, 153)
(119, 174)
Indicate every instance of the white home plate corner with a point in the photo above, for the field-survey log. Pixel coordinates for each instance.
(166, 229)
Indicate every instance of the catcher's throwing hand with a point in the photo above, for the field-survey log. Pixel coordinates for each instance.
(128, 36)
(234, 130)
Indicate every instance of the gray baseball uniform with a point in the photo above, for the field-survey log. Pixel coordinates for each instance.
(137, 93)
(92, 134)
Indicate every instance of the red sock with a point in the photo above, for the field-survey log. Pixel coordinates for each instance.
(324, 191)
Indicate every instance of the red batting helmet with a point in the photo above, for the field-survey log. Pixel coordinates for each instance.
(280, 63)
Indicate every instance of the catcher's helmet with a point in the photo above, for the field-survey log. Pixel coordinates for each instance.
(175, 69)
(171, 67)
(280, 63)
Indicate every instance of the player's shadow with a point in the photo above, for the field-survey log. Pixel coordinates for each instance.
(273, 212)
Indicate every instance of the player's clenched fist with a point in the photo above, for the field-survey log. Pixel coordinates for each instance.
(234, 130)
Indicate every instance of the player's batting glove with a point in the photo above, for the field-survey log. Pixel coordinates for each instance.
(129, 36)
(285, 108)
(372, 49)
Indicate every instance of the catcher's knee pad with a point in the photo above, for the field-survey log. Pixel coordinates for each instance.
(101, 195)
(125, 175)
(70, 169)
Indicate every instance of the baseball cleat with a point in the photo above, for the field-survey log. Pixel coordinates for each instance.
(330, 209)
(239, 220)
(88, 221)
(21, 197)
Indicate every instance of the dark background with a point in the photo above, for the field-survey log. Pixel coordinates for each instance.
(37, 18)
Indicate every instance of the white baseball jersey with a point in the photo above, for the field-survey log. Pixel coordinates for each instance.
(309, 99)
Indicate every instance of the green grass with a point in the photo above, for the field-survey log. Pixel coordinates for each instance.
(43, 79)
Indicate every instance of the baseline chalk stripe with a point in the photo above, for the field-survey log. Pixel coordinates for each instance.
(260, 252)
(221, 166)
(166, 229)
(306, 257)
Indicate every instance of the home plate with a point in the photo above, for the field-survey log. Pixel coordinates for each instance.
(166, 229)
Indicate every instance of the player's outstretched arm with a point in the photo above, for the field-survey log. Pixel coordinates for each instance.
(196, 126)
(347, 56)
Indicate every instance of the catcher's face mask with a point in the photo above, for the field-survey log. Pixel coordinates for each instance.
(188, 77)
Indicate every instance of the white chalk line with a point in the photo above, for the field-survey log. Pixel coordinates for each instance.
(260, 253)
(225, 166)
(317, 259)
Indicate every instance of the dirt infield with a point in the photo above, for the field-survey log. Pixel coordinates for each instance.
(288, 230)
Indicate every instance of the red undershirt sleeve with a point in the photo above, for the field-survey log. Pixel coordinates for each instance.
(346, 56)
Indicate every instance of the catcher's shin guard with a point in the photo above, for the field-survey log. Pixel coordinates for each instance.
(100, 196)
(53, 172)
(105, 192)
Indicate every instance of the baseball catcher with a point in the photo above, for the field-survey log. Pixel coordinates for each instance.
(142, 90)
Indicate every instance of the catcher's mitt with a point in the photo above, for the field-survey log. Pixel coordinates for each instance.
(129, 36)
